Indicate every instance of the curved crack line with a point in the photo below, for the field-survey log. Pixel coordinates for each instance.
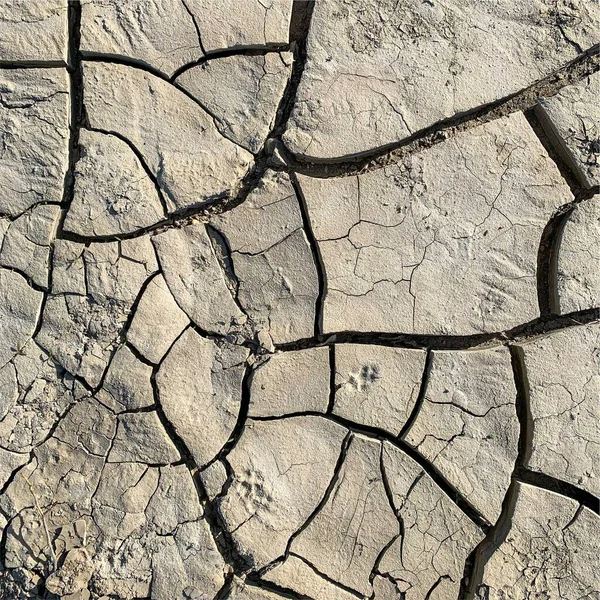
(328, 491)
(225, 544)
(32, 64)
(142, 66)
(420, 397)
(316, 255)
(559, 486)
(381, 435)
(251, 50)
(579, 68)
(262, 160)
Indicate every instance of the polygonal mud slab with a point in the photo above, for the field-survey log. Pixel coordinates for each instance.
(33, 31)
(579, 257)
(467, 425)
(34, 120)
(175, 137)
(380, 71)
(563, 371)
(548, 551)
(444, 242)
(572, 119)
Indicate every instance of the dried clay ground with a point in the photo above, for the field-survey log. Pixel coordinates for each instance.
(299, 300)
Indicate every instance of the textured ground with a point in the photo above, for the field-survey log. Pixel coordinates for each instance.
(299, 300)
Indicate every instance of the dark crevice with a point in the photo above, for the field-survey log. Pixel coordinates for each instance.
(178, 218)
(140, 65)
(420, 397)
(4, 539)
(556, 148)
(238, 430)
(302, 11)
(30, 282)
(547, 261)
(582, 66)
(559, 160)
(77, 111)
(223, 255)
(558, 486)
(196, 26)
(254, 50)
(387, 487)
(381, 555)
(316, 254)
(225, 591)
(390, 497)
(121, 340)
(435, 585)
(279, 590)
(478, 558)
(138, 354)
(32, 64)
(326, 577)
(223, 202)
(332, 384)
(223, 539)
(381, 435)
(76, 120)
(481, 554)
(300, 20)
(539, 326)
(523, 406)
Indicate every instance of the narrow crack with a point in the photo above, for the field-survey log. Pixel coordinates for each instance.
(141, 160)
(196, 26)
(420, 397)
(228, 52)
(316, 254)
(547, 261)
(279, 590)
(142, 66)
(222, 251)
(76, 121)
(32, 64)
(221, 536)
(302, 11)
(332, 384)
(30, 282)
(238, 430)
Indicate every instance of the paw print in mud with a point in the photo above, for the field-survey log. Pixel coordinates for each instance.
(250, 487)
(367, 376)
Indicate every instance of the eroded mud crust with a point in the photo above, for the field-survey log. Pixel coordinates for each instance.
(299, 300)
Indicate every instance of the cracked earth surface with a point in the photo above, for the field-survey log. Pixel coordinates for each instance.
(299, 300)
